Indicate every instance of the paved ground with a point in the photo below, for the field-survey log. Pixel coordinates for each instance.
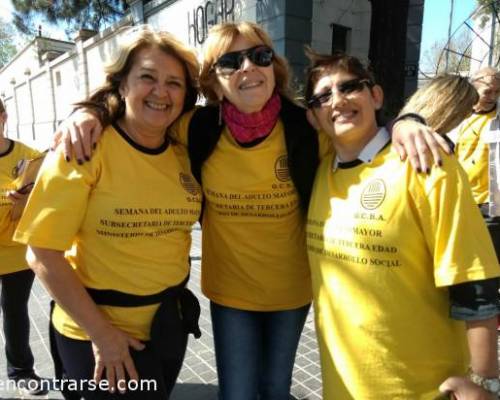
(198, 378)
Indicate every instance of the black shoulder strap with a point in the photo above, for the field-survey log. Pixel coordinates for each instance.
(302, 146)
(203, 134)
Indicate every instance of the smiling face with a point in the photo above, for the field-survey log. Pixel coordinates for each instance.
(348, 118)
(154, 92)
(250, 87)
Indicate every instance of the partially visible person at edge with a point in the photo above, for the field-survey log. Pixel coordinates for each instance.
(15, 276)
(477, 146)
(256, 156)
(110, 239)
(395, 274)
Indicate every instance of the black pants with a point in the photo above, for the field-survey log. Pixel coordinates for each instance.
(78, 365)
(16, 289)
(493, 224)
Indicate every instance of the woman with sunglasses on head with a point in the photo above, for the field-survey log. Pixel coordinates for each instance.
(16, 278)
(255, 155)
(399, 260)
(113, 254)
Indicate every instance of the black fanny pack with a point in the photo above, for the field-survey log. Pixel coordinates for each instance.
(176, 317)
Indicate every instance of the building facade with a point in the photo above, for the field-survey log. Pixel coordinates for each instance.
(42, 82)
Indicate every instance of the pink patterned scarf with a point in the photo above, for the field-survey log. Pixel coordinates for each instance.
(246, 128)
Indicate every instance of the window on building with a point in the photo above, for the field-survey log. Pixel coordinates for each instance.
(340, 38)
(58, 78)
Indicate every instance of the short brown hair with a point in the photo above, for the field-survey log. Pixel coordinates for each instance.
(321, 64)
(2, 107)
(220, 39)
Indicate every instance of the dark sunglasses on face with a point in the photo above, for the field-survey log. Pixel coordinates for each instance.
(229, 63)
(344, 88)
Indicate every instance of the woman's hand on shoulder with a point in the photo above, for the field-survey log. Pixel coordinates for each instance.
(112, 358)
(78, 135)
(419, 144)
(463, 388)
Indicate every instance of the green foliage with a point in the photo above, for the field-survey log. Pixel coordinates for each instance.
(7, 44)
(72, 14)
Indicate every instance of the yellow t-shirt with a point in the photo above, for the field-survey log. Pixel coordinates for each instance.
(383, 244)
(253, 248)
(473, 153)
(12, 254)
(124, 220)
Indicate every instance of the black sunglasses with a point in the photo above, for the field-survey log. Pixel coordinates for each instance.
(344, 88)
(228, 63)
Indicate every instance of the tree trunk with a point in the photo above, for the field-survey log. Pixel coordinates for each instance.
(387, 52)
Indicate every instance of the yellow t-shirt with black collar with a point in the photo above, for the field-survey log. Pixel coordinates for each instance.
(383, 244)
(473, 153)
(123, 219)
(12, 254)
(253, 248)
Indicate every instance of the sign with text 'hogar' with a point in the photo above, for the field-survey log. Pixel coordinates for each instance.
(206, 15)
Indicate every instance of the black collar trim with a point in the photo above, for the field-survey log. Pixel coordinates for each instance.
(349, 164)
(137, 146)
(357, 161)
(253, 143)
(9, 149)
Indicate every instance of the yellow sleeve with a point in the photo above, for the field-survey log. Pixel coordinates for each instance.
(456, 234)
(28, 152)
(325, 145)
(34, 153)
(7, 225)
(58, 202)
(179, 130)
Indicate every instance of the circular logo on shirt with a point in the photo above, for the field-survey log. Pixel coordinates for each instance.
(189, 184)
(281, 169)
(373, 194)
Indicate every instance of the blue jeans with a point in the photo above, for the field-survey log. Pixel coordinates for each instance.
(255, 351)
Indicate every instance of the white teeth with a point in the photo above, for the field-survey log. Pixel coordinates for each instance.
(249, 85)
(343, 115)
(156, 106)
